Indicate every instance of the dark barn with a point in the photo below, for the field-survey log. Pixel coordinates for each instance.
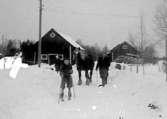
(123, 52)
(55, 45)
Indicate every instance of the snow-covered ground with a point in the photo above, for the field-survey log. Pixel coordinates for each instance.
(128, 95)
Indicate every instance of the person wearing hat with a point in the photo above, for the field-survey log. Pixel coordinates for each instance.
(66, 78)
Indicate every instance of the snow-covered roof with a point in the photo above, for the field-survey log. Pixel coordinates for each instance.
(71, 41)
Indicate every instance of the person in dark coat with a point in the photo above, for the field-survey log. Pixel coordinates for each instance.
(66, 78)
(103, 65)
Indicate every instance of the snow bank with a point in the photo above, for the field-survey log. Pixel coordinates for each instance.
(12, 63)
(35, 95)
(17, 64)
(6, 62)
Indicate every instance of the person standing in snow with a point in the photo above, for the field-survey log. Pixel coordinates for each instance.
(66, 78)
(103, 65)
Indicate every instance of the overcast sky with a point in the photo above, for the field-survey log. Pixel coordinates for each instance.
(105, 22)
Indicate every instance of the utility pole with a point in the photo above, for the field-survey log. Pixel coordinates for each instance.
(40, 31)
(166, 57)
(141, 42)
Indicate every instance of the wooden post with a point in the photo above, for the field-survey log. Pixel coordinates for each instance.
(131, 68)
(112, 55)
(70, 54)
(34, 57)
(137, 67)
(48, 57)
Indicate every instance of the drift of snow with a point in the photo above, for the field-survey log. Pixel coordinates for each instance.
(12, 63)
(6, 62)
(34, 95)
(17, 64)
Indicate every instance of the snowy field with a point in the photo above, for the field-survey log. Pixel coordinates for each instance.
(128, 95)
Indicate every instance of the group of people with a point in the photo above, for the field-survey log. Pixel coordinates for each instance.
(66, 71)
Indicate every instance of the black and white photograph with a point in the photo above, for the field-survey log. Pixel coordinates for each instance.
(83, 59)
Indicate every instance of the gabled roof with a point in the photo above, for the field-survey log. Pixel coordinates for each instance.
(71, 41)
(121, 45)
(65, 37)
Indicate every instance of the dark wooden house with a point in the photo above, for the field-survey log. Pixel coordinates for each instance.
(123, 50)
(56, 45)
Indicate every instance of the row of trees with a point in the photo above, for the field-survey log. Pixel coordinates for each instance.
(9, 47)
(28, 48)
(94, 50)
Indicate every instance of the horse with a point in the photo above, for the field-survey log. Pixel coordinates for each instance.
(84, 62)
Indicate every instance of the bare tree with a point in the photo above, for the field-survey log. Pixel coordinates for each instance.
(161, 19)
(105, 49)
(161, 22)
(144, 47)
(93, 50)
(137, 43)
(149, 54)
(133, 41)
